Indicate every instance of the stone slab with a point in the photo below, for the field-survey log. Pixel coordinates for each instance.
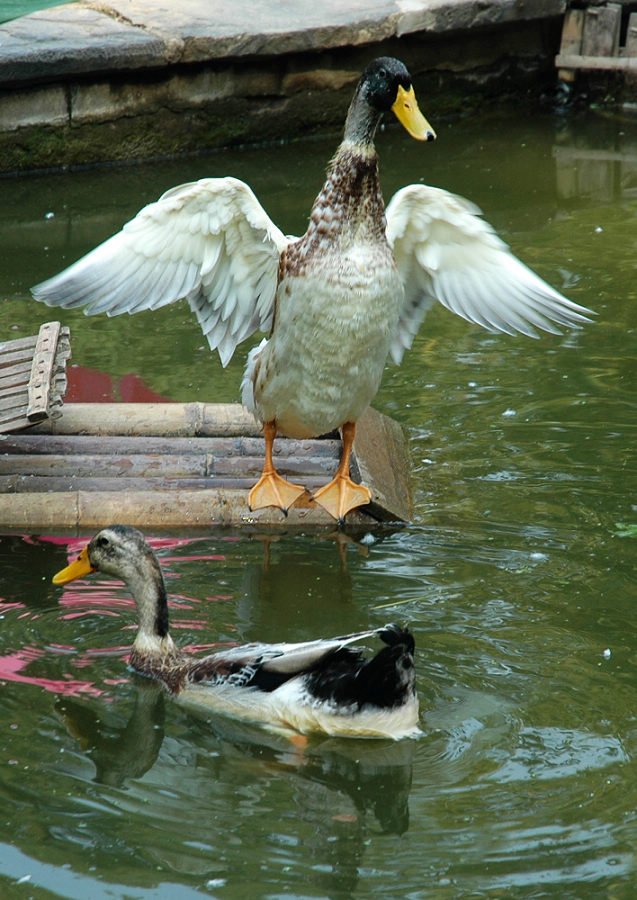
(97, 37)
(114, 80)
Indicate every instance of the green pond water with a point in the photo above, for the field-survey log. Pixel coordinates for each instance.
(12, 9)
(517, 576)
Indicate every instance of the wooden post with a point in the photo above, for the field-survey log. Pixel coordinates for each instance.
(571, 40)
(601, 30)
(630, 50)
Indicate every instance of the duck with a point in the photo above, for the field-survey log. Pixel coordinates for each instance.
(336, 303)
(324, 686)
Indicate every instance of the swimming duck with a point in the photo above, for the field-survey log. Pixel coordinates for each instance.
(336, 302)
(315, 686)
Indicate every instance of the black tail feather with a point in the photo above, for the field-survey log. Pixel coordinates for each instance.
(393, 634)
(385, 681)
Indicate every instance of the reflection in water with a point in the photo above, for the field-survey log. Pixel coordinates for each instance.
(374, 776)
(119, 754)
(598, 163)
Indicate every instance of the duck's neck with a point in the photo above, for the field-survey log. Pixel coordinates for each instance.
(146, 584)
(362, 121)
(350, 205)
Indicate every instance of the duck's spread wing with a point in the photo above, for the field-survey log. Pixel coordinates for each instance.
(445, 252)
(208, 241)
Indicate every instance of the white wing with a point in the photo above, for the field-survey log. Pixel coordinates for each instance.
(445, 252)
(208, 241)
(289, 659)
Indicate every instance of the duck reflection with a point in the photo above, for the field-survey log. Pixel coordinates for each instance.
(375, 775)
(118, 753)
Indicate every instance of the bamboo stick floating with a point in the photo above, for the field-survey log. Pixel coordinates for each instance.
(87, 511)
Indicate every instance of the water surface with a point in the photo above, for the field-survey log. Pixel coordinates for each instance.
(12, 9)
(517, 577)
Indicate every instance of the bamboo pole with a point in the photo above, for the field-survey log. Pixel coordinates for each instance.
(157, 419)
(28, 443)
(80, 510)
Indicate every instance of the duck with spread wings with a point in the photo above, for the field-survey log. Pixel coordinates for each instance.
(336, 302)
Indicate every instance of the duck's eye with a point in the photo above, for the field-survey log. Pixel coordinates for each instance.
(382, 73)
(102, 542)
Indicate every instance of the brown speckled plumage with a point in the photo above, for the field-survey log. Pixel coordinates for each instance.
(349, 208)
(172, 671)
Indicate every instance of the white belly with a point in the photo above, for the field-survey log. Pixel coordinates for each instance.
(325, 359)
(289, 707)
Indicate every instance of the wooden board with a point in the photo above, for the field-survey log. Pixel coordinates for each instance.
(600, 36)
(590, 42)
(177, 465)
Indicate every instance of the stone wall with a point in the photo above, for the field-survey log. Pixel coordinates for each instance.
(90, 82)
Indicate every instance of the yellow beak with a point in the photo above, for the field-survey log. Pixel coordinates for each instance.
(81, 566)
(406, 110)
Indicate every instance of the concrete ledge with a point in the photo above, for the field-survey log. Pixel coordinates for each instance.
(252, 70)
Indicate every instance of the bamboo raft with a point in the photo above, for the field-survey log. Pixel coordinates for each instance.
(166, 465)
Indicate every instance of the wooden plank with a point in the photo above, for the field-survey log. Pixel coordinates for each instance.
(571, 44)
(631, 36)
(572, 29)
(76, 465)
(21, 370)
(58, 381)
(42, 369)
(17, 344)
(600, 36)
(601, 63)
(16, 356)
(379, 448)
(61, 484)
(181, 453)
(33, 376)
(12, 410)
(12, 420)
(158, 419)
(14, 390)
(42, 444)
(19, 485)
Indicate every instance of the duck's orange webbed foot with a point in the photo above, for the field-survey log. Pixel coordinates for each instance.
(342, 494)
(273, 490)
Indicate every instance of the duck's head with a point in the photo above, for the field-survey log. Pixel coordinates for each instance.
(118, 550)
(385, 85)
(124, 552)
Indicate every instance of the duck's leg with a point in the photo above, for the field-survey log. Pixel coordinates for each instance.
(342, 494)
(271, 489)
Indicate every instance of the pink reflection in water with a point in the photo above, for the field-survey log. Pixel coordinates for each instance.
(11, 670)
(99, 596)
